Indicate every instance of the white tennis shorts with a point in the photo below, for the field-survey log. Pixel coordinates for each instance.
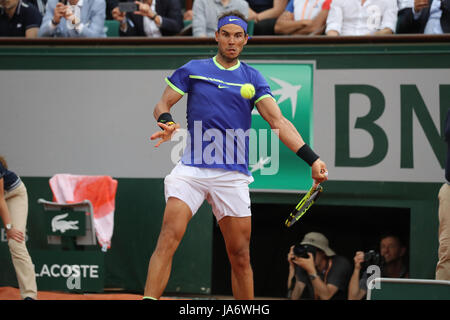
(226, 191)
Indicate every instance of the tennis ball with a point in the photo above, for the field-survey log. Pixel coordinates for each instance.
(247, 91)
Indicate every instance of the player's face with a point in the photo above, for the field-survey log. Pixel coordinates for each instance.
(231, 39)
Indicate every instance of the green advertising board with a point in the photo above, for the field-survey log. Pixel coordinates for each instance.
(275, 167)
(79, 271)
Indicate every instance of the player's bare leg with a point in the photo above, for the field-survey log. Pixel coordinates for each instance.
(236, 233)
(176, 218)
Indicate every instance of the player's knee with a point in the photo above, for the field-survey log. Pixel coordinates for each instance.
(169, 239)
(240, 259)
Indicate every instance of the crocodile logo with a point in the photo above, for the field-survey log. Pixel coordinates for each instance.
(58, 224)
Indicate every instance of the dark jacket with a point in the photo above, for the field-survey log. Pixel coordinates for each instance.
(172, 20)
(407, 24)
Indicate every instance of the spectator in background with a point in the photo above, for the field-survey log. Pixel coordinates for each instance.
(206, 13)
(265, 14)
(303, 17)
(74, 19)
(443, 266)
(19, 19)
(362, 17)
(403, 7)
(391, 264)
(39, 4)
(154, 19)
(324, 274)
(426, 16)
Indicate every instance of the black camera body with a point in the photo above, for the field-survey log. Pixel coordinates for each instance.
(301, 250)
(373, 258)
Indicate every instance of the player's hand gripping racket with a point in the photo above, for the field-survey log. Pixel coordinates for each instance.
(304, 204)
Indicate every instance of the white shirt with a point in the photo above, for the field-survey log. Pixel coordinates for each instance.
(76, 10)
(402, 4)
(307, 9)
(350, 18)
(150, 27)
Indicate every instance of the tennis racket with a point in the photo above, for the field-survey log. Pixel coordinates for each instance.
(304, 204)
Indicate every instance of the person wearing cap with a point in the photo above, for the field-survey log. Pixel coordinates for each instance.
(324, 274)
(217, 111)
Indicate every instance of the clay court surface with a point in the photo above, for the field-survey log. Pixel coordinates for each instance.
(10, 293)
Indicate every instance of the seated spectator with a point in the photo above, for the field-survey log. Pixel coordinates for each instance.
(19, 19)
(425, 16)
(362, 17)
(74, 19)
(303, 17)
(324, 274)
(206, 13)
(39, 4)
(153, 19)
(265, 14)
(391, 264)
(403, 7)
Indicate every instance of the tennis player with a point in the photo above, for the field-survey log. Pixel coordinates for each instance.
(215, 108)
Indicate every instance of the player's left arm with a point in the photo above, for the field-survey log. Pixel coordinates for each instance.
(288, 134)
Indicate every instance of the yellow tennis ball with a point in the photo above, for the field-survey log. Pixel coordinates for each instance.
(247, 91)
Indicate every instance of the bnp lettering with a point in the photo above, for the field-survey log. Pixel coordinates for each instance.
(412, 106)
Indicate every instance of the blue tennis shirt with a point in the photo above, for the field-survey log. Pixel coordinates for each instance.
(218, 117)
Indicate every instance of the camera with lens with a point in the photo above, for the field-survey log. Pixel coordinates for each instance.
(372, 258)
(301, 250)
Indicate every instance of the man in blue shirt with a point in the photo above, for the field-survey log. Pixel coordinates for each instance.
(74, 19)
(214, 165)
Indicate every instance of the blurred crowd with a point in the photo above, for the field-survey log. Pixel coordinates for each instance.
(198, 18)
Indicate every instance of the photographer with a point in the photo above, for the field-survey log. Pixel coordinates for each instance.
(317, 268)
(389, 260)
(152, 18)
(74, 19)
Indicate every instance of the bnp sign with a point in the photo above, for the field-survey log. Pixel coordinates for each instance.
(382, 124)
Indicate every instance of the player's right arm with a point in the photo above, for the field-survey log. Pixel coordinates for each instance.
(288, 134)
(169, 98)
